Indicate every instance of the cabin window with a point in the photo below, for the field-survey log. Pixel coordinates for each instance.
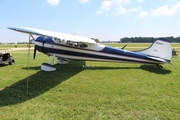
(69, 42)
(63, 41)
(57, 40)
(83, 45)
(76, 44)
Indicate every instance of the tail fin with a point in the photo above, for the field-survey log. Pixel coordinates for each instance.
(161, 48)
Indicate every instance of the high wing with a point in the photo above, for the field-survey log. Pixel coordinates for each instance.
(58, 35)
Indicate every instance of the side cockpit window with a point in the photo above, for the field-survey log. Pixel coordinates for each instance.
(69, 43)
(83, 45)
(76, 44)
(57, 40)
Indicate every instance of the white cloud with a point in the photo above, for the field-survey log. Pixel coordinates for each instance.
(161, 11)
(121, 2)
(53, 2)
(135, 9)
(83, 1)
(148, 23)
(120, 10)
(99, 12)
(143, 14)
(176, 8)
(140, 1)
(119, 7)
(178, 22)
(106, 5)
(107, 15)
(165, 11)
(113, 6)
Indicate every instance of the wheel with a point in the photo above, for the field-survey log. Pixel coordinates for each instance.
(11, 62)
(159, 66)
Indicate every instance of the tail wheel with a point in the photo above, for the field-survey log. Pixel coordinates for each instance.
(159, 66)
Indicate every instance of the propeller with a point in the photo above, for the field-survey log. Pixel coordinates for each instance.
(43, 46)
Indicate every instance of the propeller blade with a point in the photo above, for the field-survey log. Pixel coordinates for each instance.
(43, 46)
(34, 52)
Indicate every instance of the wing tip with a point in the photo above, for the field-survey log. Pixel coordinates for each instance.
(11, 28)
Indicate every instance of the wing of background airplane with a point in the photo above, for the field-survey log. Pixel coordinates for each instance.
(58, 35)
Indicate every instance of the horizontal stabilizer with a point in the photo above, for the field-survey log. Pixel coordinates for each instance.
(155, 58)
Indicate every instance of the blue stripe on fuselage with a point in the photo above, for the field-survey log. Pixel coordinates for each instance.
(74, 53)
(107, 49)
(116, 51)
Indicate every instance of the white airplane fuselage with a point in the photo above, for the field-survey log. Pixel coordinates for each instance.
(95, 52)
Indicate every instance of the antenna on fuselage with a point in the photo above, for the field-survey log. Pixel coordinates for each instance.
(74, 32)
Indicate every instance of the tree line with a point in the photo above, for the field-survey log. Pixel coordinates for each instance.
(147, 39)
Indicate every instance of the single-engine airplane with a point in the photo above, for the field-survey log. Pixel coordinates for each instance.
(67, 46)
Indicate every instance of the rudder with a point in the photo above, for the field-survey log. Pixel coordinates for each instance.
(161, 48)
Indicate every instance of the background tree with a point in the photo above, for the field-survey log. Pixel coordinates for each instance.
(147, 39)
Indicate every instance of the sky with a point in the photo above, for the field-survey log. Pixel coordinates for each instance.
(102, 19)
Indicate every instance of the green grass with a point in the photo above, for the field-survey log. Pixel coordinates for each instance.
(106, 91)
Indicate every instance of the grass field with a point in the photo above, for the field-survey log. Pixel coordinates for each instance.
(106, 91)
(9, 46)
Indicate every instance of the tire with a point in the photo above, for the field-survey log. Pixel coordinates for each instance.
(11, 62)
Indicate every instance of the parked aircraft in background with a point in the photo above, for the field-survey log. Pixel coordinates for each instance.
(67, 46)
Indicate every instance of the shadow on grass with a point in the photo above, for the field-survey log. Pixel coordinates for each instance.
(149, 68)
(38, 83)
(154, 69)
(111, 68)
(41, 82)
(3, 65)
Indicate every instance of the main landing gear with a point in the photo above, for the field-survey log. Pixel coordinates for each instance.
(159, 66)
(48, 67)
